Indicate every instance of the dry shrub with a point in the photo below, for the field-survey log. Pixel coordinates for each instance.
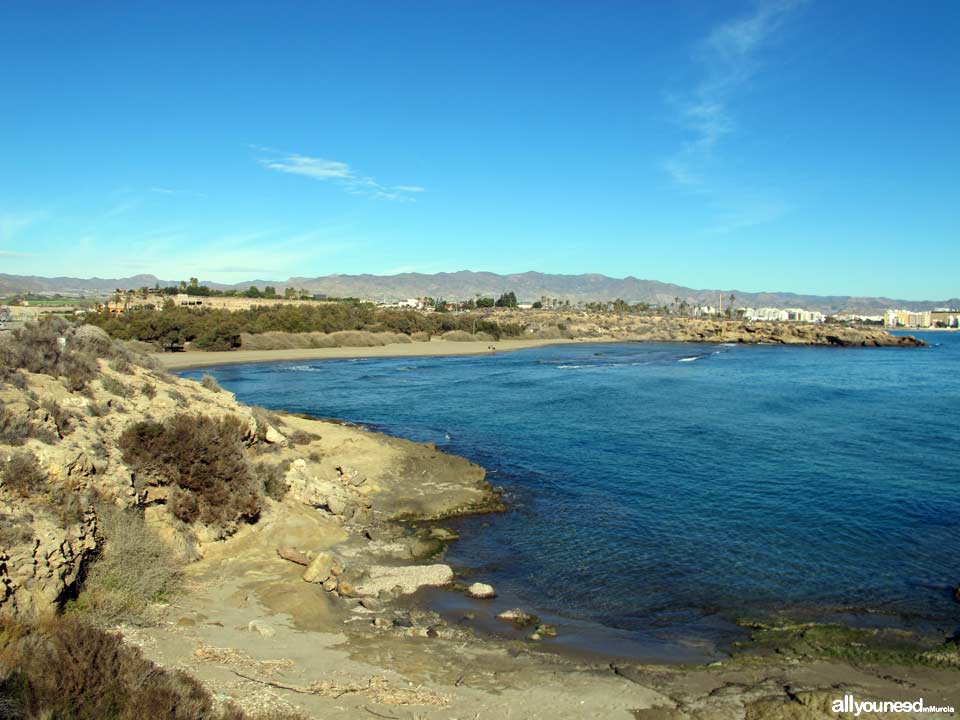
(138, 347)
(203, 460)
(65, 669)
(210, 383)
(357, 338)
(114, 386)
(65, 420)
(459, 336)
(301, 437)
(134, 569)
(420, 337)
(36, 348)
(178, 397)
(95, 409)
(273, 479)
(122, 364)
(16, 428)
(22, 475)
(15, 530)
(275, 340)
(13, 378)
(148, 390)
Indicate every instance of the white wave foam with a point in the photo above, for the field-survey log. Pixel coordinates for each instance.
(690, 359)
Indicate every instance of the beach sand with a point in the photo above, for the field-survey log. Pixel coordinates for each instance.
(434, 348)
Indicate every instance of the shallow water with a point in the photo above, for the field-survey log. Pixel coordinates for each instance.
(663, 490)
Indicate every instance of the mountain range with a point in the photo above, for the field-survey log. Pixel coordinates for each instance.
(528, 286)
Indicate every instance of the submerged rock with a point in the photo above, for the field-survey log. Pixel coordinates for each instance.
(520, 618)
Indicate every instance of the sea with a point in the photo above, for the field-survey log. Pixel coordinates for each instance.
(662, 494)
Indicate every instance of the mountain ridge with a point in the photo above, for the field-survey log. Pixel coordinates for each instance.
(463, 284)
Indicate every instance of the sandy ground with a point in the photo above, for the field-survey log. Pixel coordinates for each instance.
(436, 347)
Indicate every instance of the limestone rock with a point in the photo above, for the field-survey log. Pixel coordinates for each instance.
(260, 628)
(274, 437)
(407, 579)
(481, 591)
(293, 555)
(321, 568)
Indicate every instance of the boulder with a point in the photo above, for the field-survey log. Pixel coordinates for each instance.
(321, 568)
(293, 555)
(274, 437)
(481, 591)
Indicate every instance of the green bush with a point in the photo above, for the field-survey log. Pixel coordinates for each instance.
(202, 459)
(217, 329)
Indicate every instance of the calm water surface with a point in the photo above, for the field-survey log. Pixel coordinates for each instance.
(659, 491)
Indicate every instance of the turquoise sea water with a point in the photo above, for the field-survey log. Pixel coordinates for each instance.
(660, 491)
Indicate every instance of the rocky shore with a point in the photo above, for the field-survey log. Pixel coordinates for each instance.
(307, 599)
(672, 328)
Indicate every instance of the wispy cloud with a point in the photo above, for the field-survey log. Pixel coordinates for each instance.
(13, 254)
(13, 223)
(727, 60)
(339, 173)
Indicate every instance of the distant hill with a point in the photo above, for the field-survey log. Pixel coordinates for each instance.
(528, 286)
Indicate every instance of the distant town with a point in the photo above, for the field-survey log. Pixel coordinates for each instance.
(19, 308)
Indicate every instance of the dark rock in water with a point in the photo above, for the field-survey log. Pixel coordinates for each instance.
(403, 622)
(444, 534)
(956, 593)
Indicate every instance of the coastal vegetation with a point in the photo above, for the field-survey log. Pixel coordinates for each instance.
(218, 329)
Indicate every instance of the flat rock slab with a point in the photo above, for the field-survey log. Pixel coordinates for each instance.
(408, 579)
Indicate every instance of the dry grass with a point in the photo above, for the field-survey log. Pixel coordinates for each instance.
(210, 383)
(463, 336)
(309, 340)
(115, 387)
(134, 570)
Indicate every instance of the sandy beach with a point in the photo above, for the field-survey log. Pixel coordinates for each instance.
(434, 348)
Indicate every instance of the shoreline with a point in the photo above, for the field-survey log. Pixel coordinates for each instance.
(194, 359)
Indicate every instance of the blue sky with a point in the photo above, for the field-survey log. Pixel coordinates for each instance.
(776, 145)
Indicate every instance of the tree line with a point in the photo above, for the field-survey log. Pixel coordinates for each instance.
(219, 329)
